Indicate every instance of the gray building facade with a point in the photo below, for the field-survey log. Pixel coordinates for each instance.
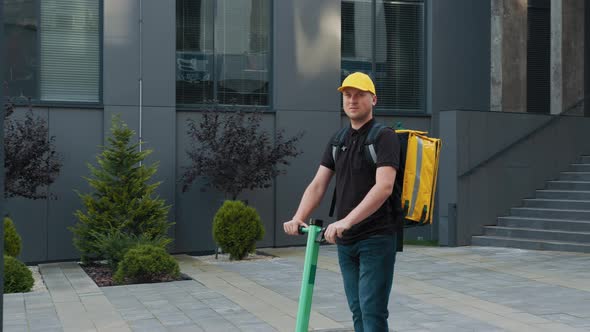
(307, 47)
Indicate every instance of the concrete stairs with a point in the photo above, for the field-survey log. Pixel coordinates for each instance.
(558, 218)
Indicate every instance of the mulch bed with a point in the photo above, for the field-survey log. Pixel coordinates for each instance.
(102, 275)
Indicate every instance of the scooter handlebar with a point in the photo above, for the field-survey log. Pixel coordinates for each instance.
(302, 230)
(315, 222)
(320, 237)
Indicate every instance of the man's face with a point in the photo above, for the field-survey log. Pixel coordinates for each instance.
(358, 104)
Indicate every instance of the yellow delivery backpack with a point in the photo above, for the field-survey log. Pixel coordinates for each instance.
(419, 175)
(418, 165)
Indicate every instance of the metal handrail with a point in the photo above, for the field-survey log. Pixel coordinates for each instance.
(510, 146)
(526, 136)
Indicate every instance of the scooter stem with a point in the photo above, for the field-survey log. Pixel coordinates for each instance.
(314, 238)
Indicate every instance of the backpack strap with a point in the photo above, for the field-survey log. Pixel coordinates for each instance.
(338, 141)
(370, 152)
(333, 204)
(371, 156)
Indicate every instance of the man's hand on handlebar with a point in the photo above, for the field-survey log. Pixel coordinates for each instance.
(291, 227)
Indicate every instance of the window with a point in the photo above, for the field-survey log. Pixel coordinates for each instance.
(538, 60)
(53, 50)
(222, 51)
(385, 39)
(22, 58)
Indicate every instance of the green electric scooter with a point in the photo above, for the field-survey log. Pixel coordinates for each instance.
(315, 236)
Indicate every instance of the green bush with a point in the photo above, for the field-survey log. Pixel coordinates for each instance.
(236, 228)
(112, 246)
(146, 263)
(17, 276)
(124, 195)
(12, 241)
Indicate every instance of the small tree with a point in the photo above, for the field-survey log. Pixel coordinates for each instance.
(12, 240)
(122, 200)
(30, 159)
(234, 153)
(236, 228)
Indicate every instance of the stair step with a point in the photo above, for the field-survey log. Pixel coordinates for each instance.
(496, 241)
(550, 213)
(575, 176)
(580, 167)
(537, 234)
(565, 204)
(568, 185)
(557, 218)
(564, 194)
(545, 223)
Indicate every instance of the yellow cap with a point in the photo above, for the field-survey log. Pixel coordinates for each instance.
(359, 81)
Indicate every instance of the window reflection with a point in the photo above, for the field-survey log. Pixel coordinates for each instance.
(385, 39)
(222, 51)
(20, 36)
(52, 50)
(400, 54)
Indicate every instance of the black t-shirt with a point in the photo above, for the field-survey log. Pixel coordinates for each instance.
(355, 176)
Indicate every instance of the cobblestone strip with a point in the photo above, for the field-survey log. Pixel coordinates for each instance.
(79, 302)
(275, 309)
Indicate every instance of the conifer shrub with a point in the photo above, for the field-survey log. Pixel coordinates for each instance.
(236, 228)
(123, 199)
(146, 263)
(17, 276)
(12, 241)
(114, 245)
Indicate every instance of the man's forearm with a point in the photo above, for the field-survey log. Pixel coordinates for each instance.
(310, 200)
(371, 203)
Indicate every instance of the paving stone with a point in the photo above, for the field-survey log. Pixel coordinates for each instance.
(129, 302)
(16, 328)
(14, 316)
(198, 314)
(147, 325)
(185, 328)
(216, 325)
(191, 305)
(106, 320)
(256, 327)
(15, 319)
(124, 328)
(14, 298)
(79, 329)
(242, 318)
(136, 314)
(46, 329)
(205, 295)
(442, 289)
(167, 309)
(35, 325)
(154, 304)
(170, 319)
(37, 298)
(44, 320)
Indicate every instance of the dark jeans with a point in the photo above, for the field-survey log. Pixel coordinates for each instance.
(367, 272)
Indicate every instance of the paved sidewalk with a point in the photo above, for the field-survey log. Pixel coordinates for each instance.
(435, 289)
